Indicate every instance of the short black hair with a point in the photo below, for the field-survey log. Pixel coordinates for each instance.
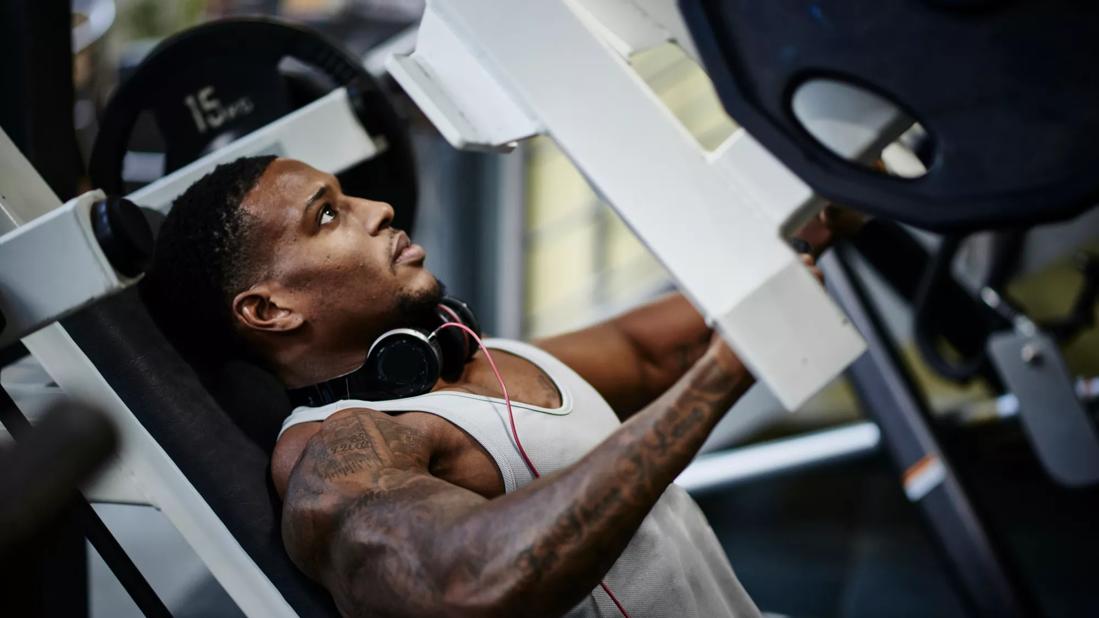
(203, 257)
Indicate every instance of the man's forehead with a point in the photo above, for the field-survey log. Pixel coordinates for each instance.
(282, 190)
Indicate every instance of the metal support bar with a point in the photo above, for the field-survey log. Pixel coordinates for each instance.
(725, 469)
(483, 74)
(119, 562)
(987, 580)
(24, 197)
(93, 527)
(325, 133)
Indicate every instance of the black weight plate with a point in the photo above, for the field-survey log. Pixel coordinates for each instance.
(1008, 90)
(211, 84)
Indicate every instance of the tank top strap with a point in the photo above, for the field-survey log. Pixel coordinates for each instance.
(560, 372)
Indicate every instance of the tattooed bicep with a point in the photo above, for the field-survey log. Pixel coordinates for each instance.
(358, 444)
(362, 504)
(353, 455)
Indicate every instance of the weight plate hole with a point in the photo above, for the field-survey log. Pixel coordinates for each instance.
(844, 117)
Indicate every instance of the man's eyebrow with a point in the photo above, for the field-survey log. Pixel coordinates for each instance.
(318, 194)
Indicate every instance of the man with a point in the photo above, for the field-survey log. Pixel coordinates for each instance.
(422, 506)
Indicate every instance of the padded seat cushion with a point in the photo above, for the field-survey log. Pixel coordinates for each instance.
(219, 431)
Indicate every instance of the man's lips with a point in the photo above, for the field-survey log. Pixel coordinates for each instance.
(405, 251)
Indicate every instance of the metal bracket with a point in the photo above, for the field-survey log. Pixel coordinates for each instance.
(463, 100)
(1056, 422)
(34, 255)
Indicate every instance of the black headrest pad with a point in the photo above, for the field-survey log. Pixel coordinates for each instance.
(227, 466)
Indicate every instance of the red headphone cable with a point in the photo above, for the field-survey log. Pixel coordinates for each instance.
(514, 431)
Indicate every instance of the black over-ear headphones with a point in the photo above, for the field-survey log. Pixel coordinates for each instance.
(403, 362)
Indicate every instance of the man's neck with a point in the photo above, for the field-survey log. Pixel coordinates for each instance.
(305, 371)
(477, 376)
(315, 370)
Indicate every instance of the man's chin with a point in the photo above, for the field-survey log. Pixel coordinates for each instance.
(418, 305)
(434, 290)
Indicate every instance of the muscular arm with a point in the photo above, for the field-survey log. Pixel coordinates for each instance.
(632, 358)
(364, 516)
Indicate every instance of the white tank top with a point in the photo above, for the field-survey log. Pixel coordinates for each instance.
(673, 566)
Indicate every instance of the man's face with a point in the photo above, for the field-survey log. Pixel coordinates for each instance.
(333, 258)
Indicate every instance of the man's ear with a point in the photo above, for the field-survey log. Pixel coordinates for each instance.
(258, 309)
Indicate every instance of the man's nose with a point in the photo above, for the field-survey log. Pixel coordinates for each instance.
(381, 215)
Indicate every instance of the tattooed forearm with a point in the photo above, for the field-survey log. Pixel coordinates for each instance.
(364, 518)
(592, 509)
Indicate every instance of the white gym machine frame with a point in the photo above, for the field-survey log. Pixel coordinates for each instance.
(489, 73)
(324, 133)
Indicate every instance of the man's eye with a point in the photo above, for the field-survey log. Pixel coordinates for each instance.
(327, 214)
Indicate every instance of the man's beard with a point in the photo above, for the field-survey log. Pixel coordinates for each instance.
(418, 309)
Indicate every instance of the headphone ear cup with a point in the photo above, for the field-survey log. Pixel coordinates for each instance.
(468, 318)
(404, 363)
(454, 346)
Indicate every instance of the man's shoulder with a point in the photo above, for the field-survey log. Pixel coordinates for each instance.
(325, 469)
(365, 435)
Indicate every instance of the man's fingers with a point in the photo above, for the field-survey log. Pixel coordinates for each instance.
(811, 264)
(842, 222)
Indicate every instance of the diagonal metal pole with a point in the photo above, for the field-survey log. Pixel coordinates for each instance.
(987, 580)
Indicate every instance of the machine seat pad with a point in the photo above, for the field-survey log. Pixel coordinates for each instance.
(219, 430)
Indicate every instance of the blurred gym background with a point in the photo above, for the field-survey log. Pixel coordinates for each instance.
(526, 241)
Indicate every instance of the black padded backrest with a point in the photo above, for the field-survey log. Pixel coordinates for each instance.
(227, 466)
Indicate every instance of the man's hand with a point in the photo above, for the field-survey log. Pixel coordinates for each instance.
(811, 264)
(831, 224)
